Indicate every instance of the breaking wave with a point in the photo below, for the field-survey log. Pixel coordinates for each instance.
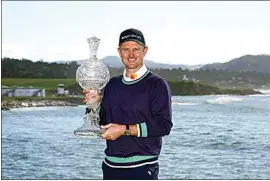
(224, 100)
(184, 103)
(259, 95)
(264, 91)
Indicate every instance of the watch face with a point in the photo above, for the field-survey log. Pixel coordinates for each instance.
(127, 133)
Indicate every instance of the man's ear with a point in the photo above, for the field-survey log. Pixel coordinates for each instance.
(119, 51)
(145, 50)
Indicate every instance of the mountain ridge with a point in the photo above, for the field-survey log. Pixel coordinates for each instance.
(247, 63)
(115, 62)
(253, 63)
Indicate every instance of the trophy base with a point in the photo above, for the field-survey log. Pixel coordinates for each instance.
(86, 133)
(90, 127)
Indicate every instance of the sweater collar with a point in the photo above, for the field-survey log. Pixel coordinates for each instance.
(137, 75)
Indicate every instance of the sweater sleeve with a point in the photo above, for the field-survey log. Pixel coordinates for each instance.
(160, 107)
(105, 102)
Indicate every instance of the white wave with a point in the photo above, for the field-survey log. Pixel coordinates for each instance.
(184, 103)
(46, 108)
(224, 100)
(82, 105)
(259, 95)
(264, 91)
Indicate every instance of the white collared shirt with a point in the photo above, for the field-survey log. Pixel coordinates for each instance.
(142, 71)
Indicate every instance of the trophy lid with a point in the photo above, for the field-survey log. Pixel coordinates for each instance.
(93, 43)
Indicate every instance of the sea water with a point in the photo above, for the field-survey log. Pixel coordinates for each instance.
(213, 137)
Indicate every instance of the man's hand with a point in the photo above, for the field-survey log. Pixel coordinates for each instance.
(113, 131)
(88, 94)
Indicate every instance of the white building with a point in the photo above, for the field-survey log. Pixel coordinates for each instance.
(60, 89)
(18, 92)
(185, 78)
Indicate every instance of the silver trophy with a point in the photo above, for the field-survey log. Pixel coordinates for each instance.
(93, 75)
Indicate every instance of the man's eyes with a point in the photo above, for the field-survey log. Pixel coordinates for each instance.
(134, 50)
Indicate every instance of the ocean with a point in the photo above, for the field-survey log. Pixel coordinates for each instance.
(213, 137)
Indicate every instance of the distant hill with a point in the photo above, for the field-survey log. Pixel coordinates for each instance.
(247, 63)
(115, 62)
(24, 68)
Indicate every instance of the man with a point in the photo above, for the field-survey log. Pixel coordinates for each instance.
(135, 112)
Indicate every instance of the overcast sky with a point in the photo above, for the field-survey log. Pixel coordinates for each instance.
(176, 32)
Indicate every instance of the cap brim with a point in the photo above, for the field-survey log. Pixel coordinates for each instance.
(132, 40)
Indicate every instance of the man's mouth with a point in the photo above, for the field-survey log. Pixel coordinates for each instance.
(131, 59)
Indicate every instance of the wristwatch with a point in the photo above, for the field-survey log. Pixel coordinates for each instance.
(127, 131)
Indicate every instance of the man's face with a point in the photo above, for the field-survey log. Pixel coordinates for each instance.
(132, 54)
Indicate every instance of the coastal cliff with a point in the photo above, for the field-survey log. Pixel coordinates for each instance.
(9, 103)
(178, 88)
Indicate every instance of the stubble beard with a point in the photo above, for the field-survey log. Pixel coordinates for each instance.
(132, 66)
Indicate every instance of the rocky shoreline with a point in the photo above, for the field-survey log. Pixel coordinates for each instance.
(7, 105)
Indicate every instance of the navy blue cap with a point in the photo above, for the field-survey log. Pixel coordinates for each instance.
(132, 35)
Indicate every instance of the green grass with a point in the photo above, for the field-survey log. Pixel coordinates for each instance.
(48, 84)
(178, 88)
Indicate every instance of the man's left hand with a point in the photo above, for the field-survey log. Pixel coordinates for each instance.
(113, 131)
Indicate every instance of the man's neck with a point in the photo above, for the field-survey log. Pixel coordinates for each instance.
(129, 72)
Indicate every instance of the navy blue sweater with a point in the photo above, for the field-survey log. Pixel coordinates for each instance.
(146, 103)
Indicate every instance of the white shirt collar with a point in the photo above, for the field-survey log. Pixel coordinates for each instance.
(137, 74)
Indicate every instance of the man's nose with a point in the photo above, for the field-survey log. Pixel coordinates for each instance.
(131, 54)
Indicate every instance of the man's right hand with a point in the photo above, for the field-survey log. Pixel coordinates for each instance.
(88, 94)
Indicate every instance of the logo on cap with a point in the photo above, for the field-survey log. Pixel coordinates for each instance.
(131, 36)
